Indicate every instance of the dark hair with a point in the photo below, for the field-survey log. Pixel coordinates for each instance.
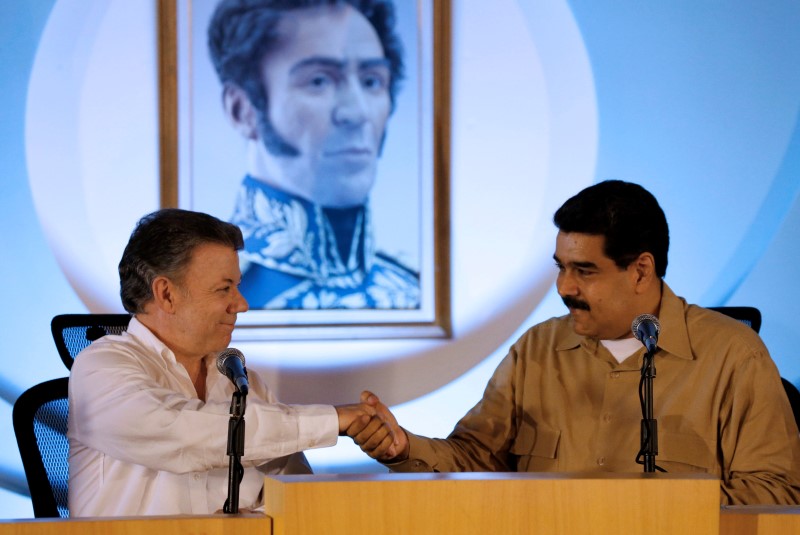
(626, 214)
(162, 245)
(242, 31)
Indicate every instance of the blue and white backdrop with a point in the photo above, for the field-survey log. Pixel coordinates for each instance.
(698, 101)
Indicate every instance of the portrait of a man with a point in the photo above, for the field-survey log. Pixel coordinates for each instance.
(311, 86)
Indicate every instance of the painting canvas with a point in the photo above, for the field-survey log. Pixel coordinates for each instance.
(322, 132)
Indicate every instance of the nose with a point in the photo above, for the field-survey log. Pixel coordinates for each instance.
(239, 303)
(351, 103)
(565, 284)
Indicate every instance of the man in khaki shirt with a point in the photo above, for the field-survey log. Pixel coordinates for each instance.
(565, 398)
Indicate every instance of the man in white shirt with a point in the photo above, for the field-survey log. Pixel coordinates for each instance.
(149, 412)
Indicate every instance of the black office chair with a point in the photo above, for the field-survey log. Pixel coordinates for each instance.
(751, 316)
(40, 414)
(40, 425)
(794, 398)
(73, 332)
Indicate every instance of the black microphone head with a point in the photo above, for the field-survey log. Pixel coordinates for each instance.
(224, 355)
(644, 318)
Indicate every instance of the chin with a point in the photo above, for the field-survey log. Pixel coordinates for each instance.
(222, 343)
(583, 330)
(579, 330)
(354, 200)
(346, 189)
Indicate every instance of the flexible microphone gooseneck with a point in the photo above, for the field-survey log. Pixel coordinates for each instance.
(646, 329)
(230, 362)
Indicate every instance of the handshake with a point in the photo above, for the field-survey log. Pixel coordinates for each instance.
(373, 428)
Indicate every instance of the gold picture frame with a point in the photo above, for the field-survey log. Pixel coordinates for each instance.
(433, 46)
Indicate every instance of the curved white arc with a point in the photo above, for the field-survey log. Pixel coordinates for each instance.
(522, 142)
(428, 367)
(52, 150)
(90, 141)
(502, 229)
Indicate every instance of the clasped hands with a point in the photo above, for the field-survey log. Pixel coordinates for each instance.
(373, 428)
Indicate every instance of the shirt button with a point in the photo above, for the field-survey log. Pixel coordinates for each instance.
(601, 461)
(614, 375)
(196, 477)
(606, 417)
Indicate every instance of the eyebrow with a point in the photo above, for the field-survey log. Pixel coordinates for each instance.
(322, 61)
(576, 264)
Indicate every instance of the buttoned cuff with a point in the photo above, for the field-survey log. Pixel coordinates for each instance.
(318, 426)
(418, 450)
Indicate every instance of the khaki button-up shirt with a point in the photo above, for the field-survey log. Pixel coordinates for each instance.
(561, 402)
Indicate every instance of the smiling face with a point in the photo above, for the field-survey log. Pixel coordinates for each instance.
(327, 86)
(603, 299)
(206, 302)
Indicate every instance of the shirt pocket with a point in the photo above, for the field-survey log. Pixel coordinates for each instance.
(680, 452)
(536, 448)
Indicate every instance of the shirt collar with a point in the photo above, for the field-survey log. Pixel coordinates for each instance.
(147, 338)
(572, 339)
(674, 335)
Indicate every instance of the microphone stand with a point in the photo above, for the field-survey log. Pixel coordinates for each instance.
(235, 451)
(649, 430)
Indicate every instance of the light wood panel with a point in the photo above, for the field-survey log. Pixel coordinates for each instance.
(251, 524)
(759, 520)
(420, 504)
(493, 503)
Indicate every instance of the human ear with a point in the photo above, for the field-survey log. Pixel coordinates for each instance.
(645, 269)
(240, 111)
(164, 294)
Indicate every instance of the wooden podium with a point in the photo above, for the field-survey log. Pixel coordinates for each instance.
(251, 524)
(420, 504)
(488, 503)
(759, 520)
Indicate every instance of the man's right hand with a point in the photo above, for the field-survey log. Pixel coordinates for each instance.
(380, 437)
(354, 414)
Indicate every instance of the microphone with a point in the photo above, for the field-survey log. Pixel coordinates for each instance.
(646, 328)
(230, 362)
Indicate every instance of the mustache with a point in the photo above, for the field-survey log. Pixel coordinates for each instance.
(571, 302)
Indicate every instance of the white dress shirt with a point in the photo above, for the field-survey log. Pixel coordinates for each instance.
(142, 443)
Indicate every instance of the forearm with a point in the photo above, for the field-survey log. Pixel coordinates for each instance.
(132, 418)
(454, 454)
(762, 488)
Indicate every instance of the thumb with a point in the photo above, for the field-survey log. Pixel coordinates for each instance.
(369, 398)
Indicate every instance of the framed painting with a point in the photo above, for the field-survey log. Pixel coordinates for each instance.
(322, 131)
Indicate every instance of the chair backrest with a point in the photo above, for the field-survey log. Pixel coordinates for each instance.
(750, 316)
(40, 425)
(73, 332)
(40, 414)
(794, 399)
